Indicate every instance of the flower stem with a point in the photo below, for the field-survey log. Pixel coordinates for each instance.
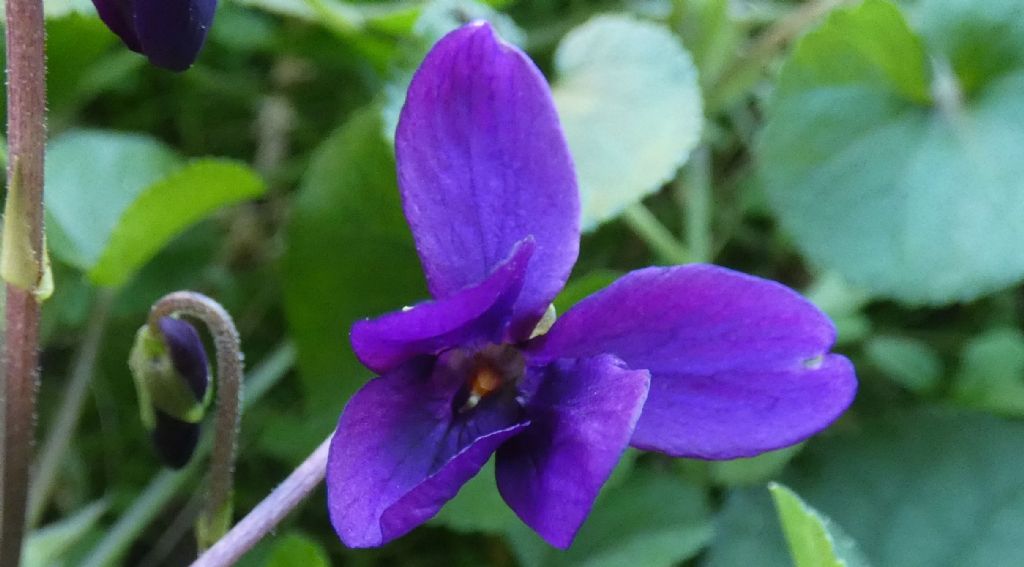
(694, 186)
(763, 49)
(22, 264)
(166, 485)
(269, 513)
(657, 237)
(216, 515)
(63, 429)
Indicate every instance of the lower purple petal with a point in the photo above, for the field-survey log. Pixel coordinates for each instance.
(582, 417)
(398, 455)
(739, 365)
(480, 312)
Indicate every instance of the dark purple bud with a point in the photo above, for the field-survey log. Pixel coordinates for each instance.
(187, 354)
(168, 32)
(174, 440)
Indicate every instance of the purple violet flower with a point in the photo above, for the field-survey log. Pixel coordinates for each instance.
(168, 32)
(693, 361)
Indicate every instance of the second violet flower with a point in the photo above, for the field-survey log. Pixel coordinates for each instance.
(692, 361)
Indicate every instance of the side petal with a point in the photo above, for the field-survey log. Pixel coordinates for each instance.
(398, 456)
(582, 418)
(480, 313)
(739, 365)
(482, 164)
(171, 32)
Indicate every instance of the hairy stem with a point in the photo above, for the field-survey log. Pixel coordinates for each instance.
(167, 484)
(63, 429)
(269, 513)
(23, 245)
(216, 514)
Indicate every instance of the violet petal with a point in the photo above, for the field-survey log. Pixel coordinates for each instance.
(187, 354)
(582, 418)
(398, 455)
(739, 365)
(174, 440)
(118, 16)
(171, 32)
(482, 164)
(480, 313)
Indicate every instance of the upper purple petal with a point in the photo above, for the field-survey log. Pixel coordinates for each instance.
(739, 365)
(482, 164)
(581, 420)
(400, 453)
(171, 32)
(478, 313)
(118, 16)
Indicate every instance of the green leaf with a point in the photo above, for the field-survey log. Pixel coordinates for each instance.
(45, 546)
(893, 157)
(709, 33)
(814, 541)
(630, 106)
(92, 177)
(752, 470)
(75, 45)
(652, 519)
(114, 200)
(582, 287)
(911, 363)
(991, 375)
(349, 256)
(168, 207)
(903, 488)
(295, 549)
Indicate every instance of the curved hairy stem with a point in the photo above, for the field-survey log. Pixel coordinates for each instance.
(216, 515)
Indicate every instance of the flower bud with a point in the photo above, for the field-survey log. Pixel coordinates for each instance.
(169, 33)
(172, 377)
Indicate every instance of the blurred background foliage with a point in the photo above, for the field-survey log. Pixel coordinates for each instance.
(868, 154)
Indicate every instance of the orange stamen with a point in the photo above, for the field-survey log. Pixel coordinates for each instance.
(485, 380)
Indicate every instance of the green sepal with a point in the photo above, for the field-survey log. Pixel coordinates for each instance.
(159, 385)
(210, 528)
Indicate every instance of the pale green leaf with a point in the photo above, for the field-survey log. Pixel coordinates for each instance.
(814, 541)
(924, 488)
(168, 207)
(92, 177)
(893, 158)
(991, 375)
(630, 105)
(909, 362)
(752, 470)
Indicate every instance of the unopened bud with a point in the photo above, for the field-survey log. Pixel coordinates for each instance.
(172, 378)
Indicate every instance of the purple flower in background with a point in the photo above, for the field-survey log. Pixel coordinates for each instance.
(692, 361)
(169, 32)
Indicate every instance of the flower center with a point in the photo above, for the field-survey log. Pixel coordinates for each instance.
(488, 371)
